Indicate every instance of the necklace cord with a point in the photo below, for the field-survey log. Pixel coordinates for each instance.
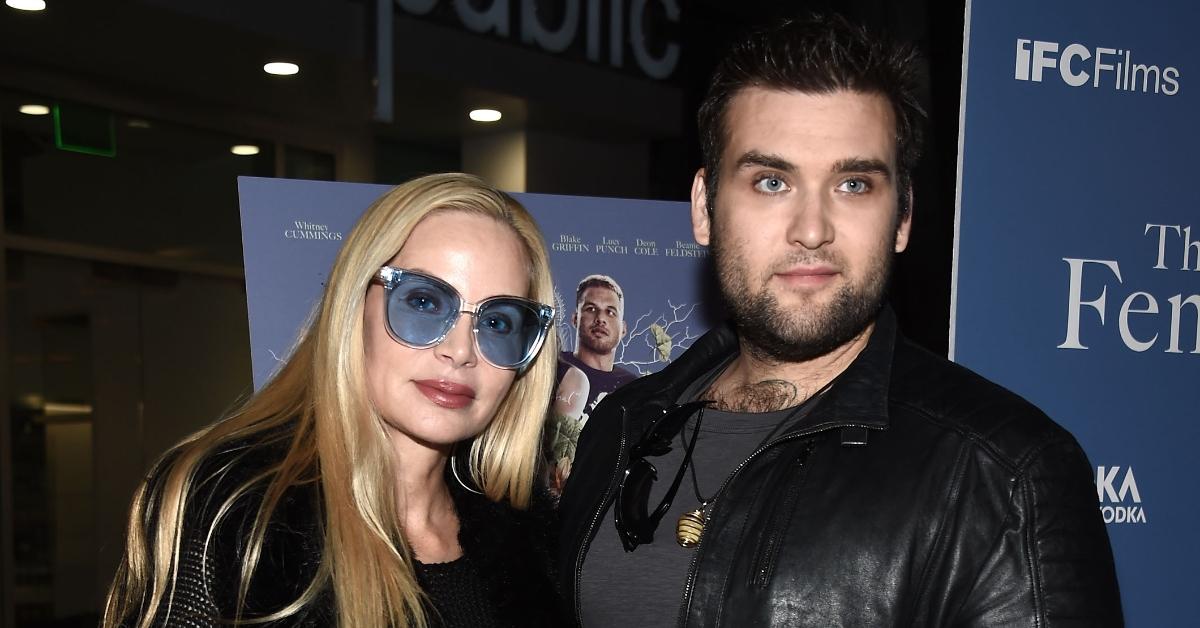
(690, 462)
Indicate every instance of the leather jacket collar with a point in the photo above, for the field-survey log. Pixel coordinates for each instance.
(858, 396)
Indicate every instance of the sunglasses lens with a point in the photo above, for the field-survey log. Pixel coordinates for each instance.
(508, 331)
(420, 310)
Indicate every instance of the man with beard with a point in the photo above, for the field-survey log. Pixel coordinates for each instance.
(585, 375)
(806, 465)
(599, 321)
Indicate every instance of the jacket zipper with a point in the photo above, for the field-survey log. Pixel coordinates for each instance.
(583, 547)
(767, 551)
(691, 578)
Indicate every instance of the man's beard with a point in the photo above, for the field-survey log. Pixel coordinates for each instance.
(598, 346)
(769, 332)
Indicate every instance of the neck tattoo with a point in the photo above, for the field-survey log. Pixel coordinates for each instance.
(765, 396)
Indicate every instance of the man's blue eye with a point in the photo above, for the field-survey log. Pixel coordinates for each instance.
(771, 185)
(854, 186)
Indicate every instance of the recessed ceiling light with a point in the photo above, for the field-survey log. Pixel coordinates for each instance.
(137, 123)
(244, 149)
(281, 68)
(34, 110)
(484, 115)
(27, 5)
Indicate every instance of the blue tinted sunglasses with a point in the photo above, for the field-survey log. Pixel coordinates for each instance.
(421, 309)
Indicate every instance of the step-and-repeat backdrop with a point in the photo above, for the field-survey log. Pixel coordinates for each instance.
(1077, 278)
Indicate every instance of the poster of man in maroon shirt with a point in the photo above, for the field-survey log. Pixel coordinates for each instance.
(587, 373)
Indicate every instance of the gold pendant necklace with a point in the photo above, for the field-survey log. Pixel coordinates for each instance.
(689, 528)
(690, 525)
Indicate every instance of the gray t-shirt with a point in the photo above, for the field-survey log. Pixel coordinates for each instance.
(644, 588)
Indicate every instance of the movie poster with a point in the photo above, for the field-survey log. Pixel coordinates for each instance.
(630, 286)
(1078, 257)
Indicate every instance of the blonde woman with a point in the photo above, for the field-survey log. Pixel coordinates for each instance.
(378, 478)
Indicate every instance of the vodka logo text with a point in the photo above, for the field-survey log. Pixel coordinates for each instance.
(1120, 500)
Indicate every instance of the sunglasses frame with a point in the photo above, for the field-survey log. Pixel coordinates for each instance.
(389, 278)
(655, 441)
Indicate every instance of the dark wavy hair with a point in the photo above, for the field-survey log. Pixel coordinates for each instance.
(818, 54)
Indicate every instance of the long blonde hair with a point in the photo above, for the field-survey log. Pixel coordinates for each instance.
(317, 405)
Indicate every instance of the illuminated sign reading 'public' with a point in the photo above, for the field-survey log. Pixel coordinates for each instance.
(628, 22)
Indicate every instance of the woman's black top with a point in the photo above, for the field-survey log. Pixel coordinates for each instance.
(501, 580)
(458, 593)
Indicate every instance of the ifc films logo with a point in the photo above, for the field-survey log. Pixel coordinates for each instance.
(1120, 500)
(1079, 65)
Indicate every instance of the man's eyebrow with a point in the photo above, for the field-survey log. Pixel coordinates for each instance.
(862, 165)
(774, 162)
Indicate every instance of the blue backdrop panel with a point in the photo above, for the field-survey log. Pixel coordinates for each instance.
(292, 230)
(1077, 277)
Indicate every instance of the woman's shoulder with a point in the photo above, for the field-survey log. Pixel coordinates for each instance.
(206, 479)
(221, 510)
(231, 482)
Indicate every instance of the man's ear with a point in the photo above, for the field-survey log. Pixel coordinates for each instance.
(905, 226)
(575, 319)
(701, 220)
(623, 329)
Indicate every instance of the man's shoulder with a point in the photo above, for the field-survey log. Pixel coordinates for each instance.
(954, 397)
(622, 374)
(567, 359)
(618, 374)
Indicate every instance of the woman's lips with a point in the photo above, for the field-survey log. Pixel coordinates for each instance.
(446, 394)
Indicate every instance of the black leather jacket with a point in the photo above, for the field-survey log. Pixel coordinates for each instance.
(965, 505)
(506, 546)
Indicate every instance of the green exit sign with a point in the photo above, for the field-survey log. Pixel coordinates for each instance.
(83, 129)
